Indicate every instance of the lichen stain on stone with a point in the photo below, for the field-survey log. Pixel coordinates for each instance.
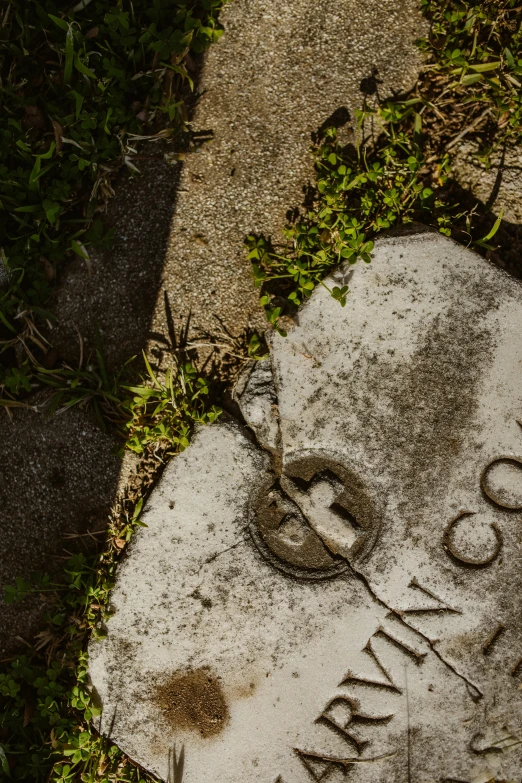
(193, 700)
(421, 411)
(243, 690)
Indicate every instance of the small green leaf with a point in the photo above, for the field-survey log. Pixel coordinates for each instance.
(496, 226)
(83, 68)
(28, 208)
(69, 55)
(182, 72)
(149, 369)
(4, 764)
(47, 155)
(60, 22)
(137, 510)
(79, 249)
(471, 78)
(33, 176)
(483, 67)
(78, 102)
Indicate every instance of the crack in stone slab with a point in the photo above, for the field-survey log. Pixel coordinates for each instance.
(212, 558)
(412, 393)
(257, 396)
(475, 692)
(277, 459)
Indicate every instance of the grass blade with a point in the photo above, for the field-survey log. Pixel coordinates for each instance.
(69, 55)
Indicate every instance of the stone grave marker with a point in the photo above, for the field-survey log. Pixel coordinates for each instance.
(333, 591)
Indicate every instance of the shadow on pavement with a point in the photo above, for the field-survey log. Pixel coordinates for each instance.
(59, 476)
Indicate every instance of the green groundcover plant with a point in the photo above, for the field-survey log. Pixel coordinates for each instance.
(45, 707)
(80, 85)
(398, 168)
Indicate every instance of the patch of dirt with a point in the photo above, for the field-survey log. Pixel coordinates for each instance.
(193, 700)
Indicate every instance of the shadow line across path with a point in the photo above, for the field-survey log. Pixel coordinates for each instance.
(275, 76)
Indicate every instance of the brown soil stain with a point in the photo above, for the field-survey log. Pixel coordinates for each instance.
(193, 699)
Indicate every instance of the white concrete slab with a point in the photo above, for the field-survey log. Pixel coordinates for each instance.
(340, 599)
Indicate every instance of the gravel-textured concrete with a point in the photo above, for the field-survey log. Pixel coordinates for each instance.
(277, 74)
(116, 293)
(498, 186)
(58, 477)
